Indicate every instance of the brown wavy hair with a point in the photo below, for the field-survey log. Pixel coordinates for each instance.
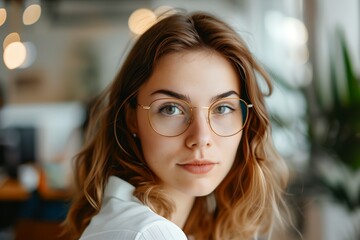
(247, 202)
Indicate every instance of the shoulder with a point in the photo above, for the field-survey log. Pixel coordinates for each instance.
(126, 218)
(159, 230)
(130, 221)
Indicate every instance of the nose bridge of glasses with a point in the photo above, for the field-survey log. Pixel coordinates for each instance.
(200, 109)
(197, 118)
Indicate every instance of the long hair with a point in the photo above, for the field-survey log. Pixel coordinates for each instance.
(247, 202)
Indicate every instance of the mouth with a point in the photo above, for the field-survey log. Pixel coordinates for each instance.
(198, 167)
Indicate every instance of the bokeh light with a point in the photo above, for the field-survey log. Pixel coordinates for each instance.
(140, 20)
(10, 38)
(30, 55)
(295, 31)
(3, 16)
(14, 55)
(288, 30)
(31, 14)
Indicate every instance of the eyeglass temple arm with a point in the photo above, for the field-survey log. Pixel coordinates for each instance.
(144, 107)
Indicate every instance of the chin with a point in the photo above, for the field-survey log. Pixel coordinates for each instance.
(200, 190)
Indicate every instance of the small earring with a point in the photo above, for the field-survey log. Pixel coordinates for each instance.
(134, 135)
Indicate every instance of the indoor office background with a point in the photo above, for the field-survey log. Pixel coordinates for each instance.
(57, 55)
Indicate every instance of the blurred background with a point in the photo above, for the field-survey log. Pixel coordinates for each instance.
(57, 55)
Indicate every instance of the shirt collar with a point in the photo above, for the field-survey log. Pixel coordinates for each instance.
(116, 187)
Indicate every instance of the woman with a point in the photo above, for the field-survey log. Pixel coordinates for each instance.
(179, 145)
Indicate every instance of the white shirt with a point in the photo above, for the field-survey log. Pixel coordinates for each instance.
(123, 216)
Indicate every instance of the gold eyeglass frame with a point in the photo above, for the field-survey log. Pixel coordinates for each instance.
(248, 106)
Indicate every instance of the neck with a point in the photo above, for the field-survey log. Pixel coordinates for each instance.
(184, 204)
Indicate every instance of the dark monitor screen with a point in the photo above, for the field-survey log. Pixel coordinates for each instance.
(17, 146)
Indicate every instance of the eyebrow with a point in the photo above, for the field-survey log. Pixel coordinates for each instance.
(171, 94)
(187, 98)
(224, 95)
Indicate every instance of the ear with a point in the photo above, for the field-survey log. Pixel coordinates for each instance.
(131, 120)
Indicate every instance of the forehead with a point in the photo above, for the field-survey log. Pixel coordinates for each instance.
(200, 75)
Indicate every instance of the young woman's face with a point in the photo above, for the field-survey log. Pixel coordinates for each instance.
(196, 161)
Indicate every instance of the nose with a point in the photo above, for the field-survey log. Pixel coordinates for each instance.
(199, 134)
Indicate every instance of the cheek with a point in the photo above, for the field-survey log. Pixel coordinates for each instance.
(159, 153)
(151, 142)
(230, 147)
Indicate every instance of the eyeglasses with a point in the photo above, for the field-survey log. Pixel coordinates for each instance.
(171, 117)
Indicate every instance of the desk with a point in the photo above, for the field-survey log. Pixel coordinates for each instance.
(32, 218)
(12, 190)
(38, 230)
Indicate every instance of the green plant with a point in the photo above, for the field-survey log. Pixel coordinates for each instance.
(341, 138)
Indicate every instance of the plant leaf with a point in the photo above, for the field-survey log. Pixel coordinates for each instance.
(352, 81)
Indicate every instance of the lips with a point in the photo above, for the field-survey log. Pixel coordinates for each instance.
(198, 167)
